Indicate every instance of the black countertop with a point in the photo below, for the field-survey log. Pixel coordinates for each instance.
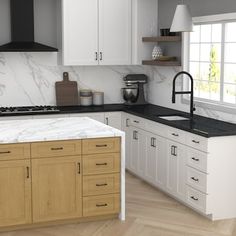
(200, 125)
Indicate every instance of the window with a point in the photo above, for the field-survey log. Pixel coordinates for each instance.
(211, 59)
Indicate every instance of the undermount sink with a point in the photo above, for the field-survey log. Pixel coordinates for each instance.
(173, 117)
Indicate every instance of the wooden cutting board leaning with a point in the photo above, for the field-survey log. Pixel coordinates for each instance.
(67, 92)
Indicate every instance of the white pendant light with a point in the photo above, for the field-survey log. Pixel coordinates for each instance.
(182, 21)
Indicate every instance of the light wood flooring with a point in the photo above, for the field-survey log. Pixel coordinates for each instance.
(149, 213)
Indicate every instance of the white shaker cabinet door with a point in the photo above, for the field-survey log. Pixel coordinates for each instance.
(80, 32)
(115, 32)
(176, 170)
(155, 166)
(113, 119)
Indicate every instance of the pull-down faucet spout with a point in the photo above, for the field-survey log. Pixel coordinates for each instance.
(192, 108)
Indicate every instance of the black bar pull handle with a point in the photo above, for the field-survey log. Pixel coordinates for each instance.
(79, 169)
(101, 145)
(100, 185)
(195, 179)
(101, 205)
(194, 141)
(194, 198)
(101, 164)
(195, 159)
(6, 152)
(57, 149)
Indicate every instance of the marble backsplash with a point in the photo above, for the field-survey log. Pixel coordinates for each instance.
(160, 91)
(29, 79)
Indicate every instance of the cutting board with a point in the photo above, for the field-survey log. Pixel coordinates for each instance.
(67, 92)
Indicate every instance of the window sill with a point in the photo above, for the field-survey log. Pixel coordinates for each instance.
(211, 105)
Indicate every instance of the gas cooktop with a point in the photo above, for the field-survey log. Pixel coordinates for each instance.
(33, 109)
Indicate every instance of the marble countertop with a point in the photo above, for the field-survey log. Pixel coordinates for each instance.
(20, 131)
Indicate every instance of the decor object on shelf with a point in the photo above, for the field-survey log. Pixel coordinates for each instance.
(182, 21)
(157, 52)
(167, 58)
(163, 39)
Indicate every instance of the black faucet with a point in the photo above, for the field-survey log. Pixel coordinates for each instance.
(192, 108)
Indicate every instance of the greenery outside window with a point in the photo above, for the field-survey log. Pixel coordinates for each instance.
(211, 59)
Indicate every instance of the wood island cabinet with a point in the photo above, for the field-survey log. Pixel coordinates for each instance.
(62, 180)
(56, 188)
(15, 192)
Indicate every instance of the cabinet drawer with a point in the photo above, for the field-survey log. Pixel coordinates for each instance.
(14, 152)
(176, 135)
(197, 179)
(136, 122)
(101, 145)
(101, 205)
(197, 159)
(197, 142)
(58, 148)
(101, 184)
(101, 163)
(197, 200)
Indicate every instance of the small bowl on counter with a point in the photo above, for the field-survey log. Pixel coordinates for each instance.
(86, 101)
(86, 97)
(98, 98)
(89, 98)
(86, 93)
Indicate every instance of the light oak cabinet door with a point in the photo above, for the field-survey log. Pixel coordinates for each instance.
(115, 32)
(56, 186)
(15, 193)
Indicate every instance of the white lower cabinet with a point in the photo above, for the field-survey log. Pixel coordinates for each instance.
(135, 150)
(145, 154)
(176, 170)
(155, 161)
(113, 119)
(199, 172)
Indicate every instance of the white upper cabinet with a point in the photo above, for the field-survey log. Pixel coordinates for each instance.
(80, 32)
(115, 32)
(96, 32)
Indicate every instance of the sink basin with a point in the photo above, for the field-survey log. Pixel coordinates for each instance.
(173, 117)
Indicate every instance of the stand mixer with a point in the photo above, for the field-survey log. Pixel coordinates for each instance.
(133, 94)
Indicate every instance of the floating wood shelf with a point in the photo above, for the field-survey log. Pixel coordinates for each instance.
(162, 39)
(161, 63)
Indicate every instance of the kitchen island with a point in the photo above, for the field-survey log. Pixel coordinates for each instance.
(60, 170)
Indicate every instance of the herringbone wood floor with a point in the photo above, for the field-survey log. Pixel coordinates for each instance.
(149, 213)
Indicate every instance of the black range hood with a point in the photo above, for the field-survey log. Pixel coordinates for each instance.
(22, 29)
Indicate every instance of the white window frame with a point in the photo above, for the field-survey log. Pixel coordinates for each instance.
(200, 102)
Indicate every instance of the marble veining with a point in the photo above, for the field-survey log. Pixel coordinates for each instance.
(19, 131)
(28, 79)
